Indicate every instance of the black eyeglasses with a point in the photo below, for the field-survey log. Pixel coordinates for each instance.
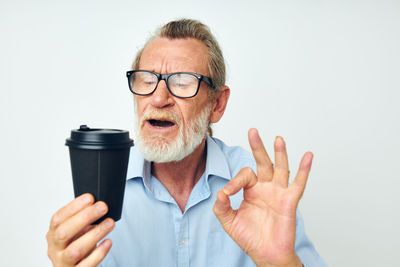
(179, 84)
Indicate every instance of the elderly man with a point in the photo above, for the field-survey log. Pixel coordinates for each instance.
(181, 206)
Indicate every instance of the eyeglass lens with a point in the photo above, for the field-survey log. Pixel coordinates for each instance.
(180, 84)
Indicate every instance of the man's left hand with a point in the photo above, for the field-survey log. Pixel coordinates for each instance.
(264, 226)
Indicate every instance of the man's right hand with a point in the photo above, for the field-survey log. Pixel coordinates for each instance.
(72, 239)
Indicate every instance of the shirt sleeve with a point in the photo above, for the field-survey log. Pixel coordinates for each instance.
(304, 248)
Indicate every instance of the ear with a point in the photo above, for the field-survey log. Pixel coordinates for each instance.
(220, 104)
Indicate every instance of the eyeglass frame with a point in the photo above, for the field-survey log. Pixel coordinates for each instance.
(165, 77)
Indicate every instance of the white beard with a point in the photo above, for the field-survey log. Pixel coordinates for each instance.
(159, 149)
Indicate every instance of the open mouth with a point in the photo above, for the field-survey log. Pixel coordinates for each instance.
(161, 123)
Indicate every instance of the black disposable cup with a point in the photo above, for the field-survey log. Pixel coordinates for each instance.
(99, 162)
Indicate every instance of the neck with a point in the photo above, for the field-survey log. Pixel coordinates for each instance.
(180, 177)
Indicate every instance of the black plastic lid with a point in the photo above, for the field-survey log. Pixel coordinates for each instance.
(98, 139)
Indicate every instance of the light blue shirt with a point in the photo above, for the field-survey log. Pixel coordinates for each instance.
(153, 232)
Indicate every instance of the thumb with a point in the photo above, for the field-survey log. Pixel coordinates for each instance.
(223, 210)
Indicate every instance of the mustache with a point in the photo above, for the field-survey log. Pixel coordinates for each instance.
(162, 115)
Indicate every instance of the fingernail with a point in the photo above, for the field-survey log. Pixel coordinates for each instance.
(86, 198)
(107, 244)
(221, 203)
(108, 223)
(228, 189)
(310, 158)
(101, 207)
(279, 140)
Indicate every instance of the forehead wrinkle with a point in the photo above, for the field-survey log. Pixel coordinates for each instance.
(159, 56)
(169, 64)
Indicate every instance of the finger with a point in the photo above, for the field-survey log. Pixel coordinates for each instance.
(246, 178)
(281, 171)
(97, 255)
(70, 209)
(86, 244)
(75, 224)
(84, 231)
(265, 169)
(223, 210)
(299, 182)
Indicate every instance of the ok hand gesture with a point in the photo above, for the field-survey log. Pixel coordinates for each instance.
(264, 226)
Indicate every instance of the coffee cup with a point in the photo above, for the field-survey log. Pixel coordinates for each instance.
(99, 162)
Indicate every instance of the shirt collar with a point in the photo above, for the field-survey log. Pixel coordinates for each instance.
(138, 167)
(216, 163)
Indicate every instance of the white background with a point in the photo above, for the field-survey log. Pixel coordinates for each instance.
(323, 74)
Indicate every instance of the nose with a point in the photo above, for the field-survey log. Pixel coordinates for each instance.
(161, 98)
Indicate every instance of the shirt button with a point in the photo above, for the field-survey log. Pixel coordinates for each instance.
(183, 241)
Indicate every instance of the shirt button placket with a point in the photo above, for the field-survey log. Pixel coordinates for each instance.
(183, 243)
